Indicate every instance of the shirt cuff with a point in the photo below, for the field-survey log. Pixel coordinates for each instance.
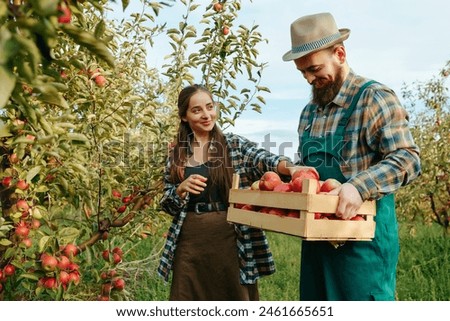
(365, 185)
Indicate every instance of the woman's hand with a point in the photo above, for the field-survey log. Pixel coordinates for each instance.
(194, 184)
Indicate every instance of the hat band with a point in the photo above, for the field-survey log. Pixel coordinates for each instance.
(316, 44)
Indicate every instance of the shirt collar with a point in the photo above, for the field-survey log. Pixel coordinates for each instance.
(341, 98)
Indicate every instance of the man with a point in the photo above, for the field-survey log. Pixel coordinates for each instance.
(356, 131)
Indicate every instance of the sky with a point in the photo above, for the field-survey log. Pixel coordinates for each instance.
(391, 41)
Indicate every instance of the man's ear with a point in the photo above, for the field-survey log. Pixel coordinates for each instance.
(340, 54)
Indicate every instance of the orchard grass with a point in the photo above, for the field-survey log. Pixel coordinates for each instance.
(422, 273)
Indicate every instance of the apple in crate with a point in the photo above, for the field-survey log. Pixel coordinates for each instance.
(305, 173)
(283, 187)
(329, 185)
(269, 181)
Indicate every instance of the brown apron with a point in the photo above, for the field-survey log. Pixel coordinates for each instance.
(206, 264)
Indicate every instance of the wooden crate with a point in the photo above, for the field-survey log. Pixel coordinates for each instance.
(306, 226)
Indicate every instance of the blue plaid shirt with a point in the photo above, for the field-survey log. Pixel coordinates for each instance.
(255, 257)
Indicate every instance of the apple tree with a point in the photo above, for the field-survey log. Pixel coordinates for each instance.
(86, 124)
(428, 198)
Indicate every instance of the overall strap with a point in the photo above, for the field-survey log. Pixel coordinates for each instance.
(344, 120)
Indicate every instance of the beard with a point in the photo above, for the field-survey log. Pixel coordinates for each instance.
(324, 95)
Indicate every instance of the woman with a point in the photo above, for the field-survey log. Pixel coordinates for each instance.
(210, 258)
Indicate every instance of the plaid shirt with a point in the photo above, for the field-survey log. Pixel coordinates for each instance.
(255, 256)
(379, 154)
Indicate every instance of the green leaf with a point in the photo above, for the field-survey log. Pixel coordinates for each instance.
(125, 4)
(5, 242)
(29, 276)
(68, 235)
(33, 172)
(49, 94)
(8, 82)
(100, 29)
(89, 41)
(43, 242)
(4, 130)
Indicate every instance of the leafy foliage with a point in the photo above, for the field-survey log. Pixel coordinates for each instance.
(428, 199)
(85, 128)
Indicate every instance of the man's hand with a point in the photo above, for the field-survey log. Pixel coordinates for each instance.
(349, 201)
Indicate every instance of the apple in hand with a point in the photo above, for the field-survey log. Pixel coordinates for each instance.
(269, 181)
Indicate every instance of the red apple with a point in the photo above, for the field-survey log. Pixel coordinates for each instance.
(305, 173)
(63, 262)
(122, 209)
(105, 255)
(13, 158)
(127, 199)
(74, 277)
(22, 206)
(22, 184)
(265, 210)
(9, 270)
(329, 185)
(269, 181)
(49, 262)
(277, 211)
(218, 7)
(226, 30)
(6, 181)
(64, 277)
(248, 207)
(117, 250)
(119, 284)
(100, 81)
(70, 250)
(116, 194)
(27, 242)
(300, 175)
(22, 231)
(293, 213)
(117, 258)
(50, 283)
(35, 224)
(73, 267)
(283, 187)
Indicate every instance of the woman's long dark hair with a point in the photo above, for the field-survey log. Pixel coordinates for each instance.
(220, 168)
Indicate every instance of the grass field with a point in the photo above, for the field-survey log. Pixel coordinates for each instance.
(423, 270)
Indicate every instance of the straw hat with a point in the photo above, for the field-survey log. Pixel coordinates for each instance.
(313, 33)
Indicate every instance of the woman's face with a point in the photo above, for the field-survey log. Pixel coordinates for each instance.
(201, 114)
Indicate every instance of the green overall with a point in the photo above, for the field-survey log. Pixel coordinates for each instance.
(358, 270)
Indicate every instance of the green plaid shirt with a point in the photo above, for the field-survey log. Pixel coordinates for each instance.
(250, 162)
(379, 154)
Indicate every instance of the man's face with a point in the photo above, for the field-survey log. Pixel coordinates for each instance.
(323, 71)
